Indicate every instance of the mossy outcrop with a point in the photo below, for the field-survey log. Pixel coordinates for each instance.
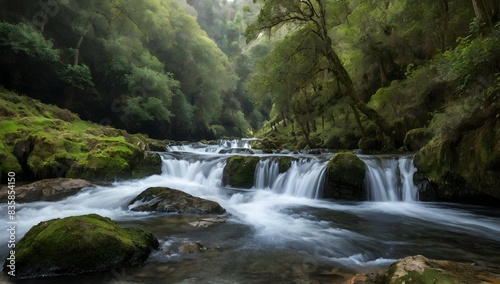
(419, 269)
(80, 244)
(150, 165)
(43, 141)
(417, 138)
(464, 167)
(240, 171)
(164, 199)
(344, 178)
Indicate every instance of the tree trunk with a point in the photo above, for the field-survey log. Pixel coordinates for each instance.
(341, 74)
(484, 10)
(77, 51)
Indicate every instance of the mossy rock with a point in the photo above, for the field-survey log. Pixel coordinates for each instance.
(421, 270)
(164, 199)
(240, 171)
(368, 145)
(150, 165)
(344, 179)
(285, 163)
(107, 160)
(8, 162)
(417, 138)
(50, 142)
(464, 167)
(80, 244)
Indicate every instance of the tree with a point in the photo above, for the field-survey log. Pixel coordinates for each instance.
(312, 14)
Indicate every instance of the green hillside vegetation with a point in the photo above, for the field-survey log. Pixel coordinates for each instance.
(143, 66)
(44, 141)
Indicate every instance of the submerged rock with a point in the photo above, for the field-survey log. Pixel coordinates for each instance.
(345, 175)
(80, 244)
(207, 222)
(240, 171)
(190, 247)
(419, 269)
(47, 190)
(164, 199)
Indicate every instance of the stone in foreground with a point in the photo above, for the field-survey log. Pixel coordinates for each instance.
(80, 244)
(164, 199)
(419, 269)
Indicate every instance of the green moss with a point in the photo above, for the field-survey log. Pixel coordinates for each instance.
(429, 276)
(345, 175)
(80, 244)
(240, 171)
(417, 138)
(64, 145)
(284, 163)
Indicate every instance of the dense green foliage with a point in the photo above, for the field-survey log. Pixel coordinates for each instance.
(410, 61)
(145, 66)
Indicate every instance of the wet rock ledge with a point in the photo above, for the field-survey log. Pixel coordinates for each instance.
(47, 190)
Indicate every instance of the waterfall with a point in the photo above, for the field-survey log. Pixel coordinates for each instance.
(304, 178)
(390, 179)
(207, 171)
(266, 173)
(223, 146)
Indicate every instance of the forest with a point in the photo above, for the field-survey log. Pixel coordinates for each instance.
(335, 74)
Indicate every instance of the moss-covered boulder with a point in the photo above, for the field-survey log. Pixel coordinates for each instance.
(419, 269)
(344, 178)
(284, 163)
(164, 199)
(417, 138)
(240, 171)
(80, 244)
(464, 167)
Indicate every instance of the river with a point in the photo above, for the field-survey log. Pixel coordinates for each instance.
(279, 231)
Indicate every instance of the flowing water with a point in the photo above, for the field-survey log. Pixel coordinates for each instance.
(279, 231)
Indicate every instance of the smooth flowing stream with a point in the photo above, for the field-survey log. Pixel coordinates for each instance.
(279, 231)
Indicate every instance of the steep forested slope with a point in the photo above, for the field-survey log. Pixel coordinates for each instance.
(140, 65)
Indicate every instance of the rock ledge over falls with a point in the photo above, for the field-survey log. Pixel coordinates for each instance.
(47, 190)
(164, 199)
(80, 244)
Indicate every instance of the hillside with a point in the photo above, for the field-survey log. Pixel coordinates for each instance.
(44, 141)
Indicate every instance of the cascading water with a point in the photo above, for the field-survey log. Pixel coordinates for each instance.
(390, 178)
(278, 226)
(304, 178)
(266, 172)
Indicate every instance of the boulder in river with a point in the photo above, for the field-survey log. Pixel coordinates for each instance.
(345, 175)
(164, 199)
(419, 269)
(240, 171)
(47, 190)
(80, 244)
